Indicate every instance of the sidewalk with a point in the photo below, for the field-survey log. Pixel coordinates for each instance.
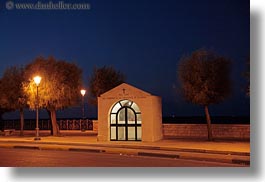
(218, 151)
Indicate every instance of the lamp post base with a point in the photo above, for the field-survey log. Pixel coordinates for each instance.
(37, 135)
(37, 138)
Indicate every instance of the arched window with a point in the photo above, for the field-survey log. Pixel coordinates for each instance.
(125, 121)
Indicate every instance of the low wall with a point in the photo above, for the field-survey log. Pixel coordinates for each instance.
(225, 131)
(220, 131)
(95, 125)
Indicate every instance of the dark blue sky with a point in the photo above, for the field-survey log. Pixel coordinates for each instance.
(142, 38)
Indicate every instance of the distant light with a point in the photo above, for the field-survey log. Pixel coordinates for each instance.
(37, 80)
(83, 92)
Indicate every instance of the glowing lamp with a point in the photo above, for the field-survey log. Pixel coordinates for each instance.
(37, 80)
(83, 92)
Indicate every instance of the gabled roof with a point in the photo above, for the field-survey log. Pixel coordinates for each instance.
(125, 90)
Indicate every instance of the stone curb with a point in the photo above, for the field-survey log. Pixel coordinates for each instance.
(144, 147)
(206, 151)
(135, 152)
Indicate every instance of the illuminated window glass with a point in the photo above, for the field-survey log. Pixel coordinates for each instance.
(135, 107)
(126, 103)
(130, 116)
(113, 118)
(121, 133)
(125, 121)
(121, 116)
(139, 118)
(131, 133)
(116, 108)
(113, 133)
(139, 133)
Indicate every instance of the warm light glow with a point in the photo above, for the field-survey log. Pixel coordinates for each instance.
(37, 80)
(83, 92)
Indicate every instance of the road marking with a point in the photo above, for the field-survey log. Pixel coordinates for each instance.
(240, 161)
(27, 147)
(86, 150)
(158, 155)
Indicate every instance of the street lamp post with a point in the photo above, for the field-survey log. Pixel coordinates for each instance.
(37, 80)
(83, 92)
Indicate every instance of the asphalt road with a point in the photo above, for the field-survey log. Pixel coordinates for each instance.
(48, 158)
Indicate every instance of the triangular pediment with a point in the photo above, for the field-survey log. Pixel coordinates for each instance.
(125, 90)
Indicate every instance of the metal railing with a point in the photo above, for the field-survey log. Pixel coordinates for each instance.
(45, 124)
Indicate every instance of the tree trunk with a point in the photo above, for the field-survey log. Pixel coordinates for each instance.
(209, 126)
(1, 123)
(50, 121)
(21, 112)
(55, 127)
